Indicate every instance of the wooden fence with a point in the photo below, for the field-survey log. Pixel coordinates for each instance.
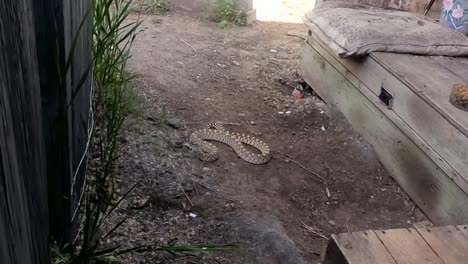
(44, 122)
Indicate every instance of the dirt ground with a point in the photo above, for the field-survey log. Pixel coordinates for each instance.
(190, 73)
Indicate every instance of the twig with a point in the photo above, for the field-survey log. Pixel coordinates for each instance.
(294, 35)
(205, 186)
(313, 231)
(180, 183)
(347, 224)
(303, 167)
(187, 44)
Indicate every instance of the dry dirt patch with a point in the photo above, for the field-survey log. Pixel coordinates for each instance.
(192, 73)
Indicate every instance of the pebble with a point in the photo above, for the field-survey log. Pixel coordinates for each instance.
(288, 112)
(331, 222)
(252, 123)
(273, 51)
(281, 113)
(192, 215)
(236, 63)
(206, 169)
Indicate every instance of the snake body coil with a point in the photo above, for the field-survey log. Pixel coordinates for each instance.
(216, 132)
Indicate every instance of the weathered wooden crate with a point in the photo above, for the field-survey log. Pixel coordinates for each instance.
(421, 138)
(438, 245)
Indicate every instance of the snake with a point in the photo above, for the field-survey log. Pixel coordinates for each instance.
(216, 132)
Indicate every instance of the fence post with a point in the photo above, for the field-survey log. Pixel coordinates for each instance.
(23, 181)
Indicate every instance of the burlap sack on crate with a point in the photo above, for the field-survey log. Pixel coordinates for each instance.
(356, 30)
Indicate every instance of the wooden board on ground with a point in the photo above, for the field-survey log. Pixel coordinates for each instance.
(449, 243)
(443, 245)
(343, 249)
(415, 165)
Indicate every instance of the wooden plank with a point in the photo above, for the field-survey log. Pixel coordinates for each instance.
(422, 100)
(57, 24)
(448, 242)
(357, 248)
(430, 187)
(23, 200)
(429, 80)
(438, 138)
(79, 115)
(464, 229)
(407, 246)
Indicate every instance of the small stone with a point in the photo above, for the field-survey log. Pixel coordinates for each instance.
(174, 123)
(222, 66)
(288, 112)
(273, 51)
(332, 223)
(206, 169)
(236, 63)
(252, 123)
(192, 215)
(265, 98)
(280, 113)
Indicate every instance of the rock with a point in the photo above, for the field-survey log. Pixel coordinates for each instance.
(273, 51)
(332, 223)
(174, 123)
(252, 123)
(236, 63)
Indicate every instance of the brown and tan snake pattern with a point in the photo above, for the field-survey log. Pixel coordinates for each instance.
(216, 132)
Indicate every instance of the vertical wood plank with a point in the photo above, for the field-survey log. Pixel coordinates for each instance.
(57, 24)
(23, 182)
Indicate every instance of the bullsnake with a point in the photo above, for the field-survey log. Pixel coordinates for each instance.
(216, 132)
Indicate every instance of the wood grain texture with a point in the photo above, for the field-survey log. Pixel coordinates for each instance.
(23, 182)
(441, 139)
(429, 186)
(448, 242)
(408, 247)
(57, 24)
(359, 248)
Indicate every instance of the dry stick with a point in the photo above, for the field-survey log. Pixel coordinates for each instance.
(303, 167)
(180, 183)
(347, 224)
(187, 44)
(313, 230)
(294, 35)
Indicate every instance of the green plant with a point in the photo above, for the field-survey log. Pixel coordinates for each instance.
(228, 14)
(241, 19)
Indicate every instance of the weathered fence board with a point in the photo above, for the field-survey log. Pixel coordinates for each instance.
(59, 34)
(23, 182)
